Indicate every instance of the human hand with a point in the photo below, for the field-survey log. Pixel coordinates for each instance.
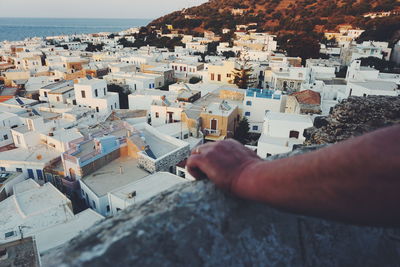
(222, 162)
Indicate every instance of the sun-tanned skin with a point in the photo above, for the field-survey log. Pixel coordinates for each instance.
(356, 181)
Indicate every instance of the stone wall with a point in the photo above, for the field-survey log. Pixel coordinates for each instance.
(163, 164)
(195, 224)
(353, 117)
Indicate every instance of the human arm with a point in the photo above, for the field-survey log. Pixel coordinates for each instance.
(355, 181)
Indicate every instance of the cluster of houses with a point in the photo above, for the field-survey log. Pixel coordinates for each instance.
(71, 156)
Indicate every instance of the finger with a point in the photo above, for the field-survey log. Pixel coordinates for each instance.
(202, 149)
(196, 167)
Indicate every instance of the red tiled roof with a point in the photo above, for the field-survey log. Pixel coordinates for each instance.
(308, 97)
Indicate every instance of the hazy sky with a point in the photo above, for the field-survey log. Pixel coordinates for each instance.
(92, 8)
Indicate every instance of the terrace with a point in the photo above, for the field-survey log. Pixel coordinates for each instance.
(262, 93)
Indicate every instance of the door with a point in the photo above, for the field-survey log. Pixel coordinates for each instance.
(170, 119)
(213, 124)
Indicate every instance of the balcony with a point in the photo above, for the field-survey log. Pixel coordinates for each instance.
(212, 132)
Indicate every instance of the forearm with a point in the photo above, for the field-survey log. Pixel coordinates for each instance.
(356, 181)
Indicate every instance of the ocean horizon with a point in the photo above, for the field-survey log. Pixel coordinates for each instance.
(16, 29)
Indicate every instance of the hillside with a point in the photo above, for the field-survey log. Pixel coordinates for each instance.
(281, 16)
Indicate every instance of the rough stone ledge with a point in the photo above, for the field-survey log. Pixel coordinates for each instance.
(195, 224)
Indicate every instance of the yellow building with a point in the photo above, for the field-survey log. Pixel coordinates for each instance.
(219, 121)
(222, 74)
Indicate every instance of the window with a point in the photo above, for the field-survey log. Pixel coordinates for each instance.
(294, 134)
(228, 75)
(247, 113)
(83, 93)
(219, 77)
(291, 84)
(269, 155)
(212, 76)
(5, 137)
(104, 90)
(255, 128)
(30, 173)
(108, 208)
(45, 94)
(157, 115)
(186, 136)
(39, 174)
(97, 109)
(19, 170)
(58, 99)
(96, 93)
(248, 103)
(10, 234)
(2, 169)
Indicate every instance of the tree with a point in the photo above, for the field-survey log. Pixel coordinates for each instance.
(242, 76)
(125, 43)
(242, 131)
(228, 54)
(302, 46)
(212, 48)
(377, 63)
(94, 48)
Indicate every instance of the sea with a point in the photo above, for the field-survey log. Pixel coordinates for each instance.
(16, 29)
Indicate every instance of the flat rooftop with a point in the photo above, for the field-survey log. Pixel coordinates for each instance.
(148, 187)
(37, 154)
(172, 128)
(110, 177)
(158, 146)
(377, 85)
(296, 118)
(62, 90)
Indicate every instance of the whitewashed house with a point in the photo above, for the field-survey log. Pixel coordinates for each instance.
(93, 94)
(258, 102)
(281, 132)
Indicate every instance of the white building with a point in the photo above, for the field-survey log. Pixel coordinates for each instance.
(118, 173)
(258, 102)
(31, 162)
(7, 122)
(368, 88)
(93, 94)
(59, 92)
(164, 112)
(281, 132)
(44, 213)
(143, 99)
(289, 78)
(141, 190)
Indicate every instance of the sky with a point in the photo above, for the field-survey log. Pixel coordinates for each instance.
(148, 9)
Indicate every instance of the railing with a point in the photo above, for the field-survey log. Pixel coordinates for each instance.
(212, 132)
